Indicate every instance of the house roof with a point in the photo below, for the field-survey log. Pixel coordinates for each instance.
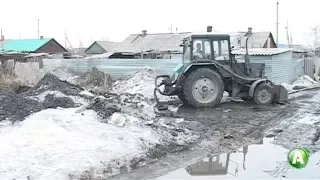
(162, 42)
(24, 45)
(106, 45)
(256, 40)
(261, 51)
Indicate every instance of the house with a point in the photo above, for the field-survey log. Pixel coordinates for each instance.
(100, 47)
(256, 40)
(280, 66)
(42, 45)
(160, 45)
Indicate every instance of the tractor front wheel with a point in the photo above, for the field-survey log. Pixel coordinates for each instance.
(263, 94)
(203, 88)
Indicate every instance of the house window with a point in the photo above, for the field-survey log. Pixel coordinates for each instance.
(221, 50)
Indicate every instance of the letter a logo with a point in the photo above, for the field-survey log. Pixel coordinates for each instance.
(298, 158)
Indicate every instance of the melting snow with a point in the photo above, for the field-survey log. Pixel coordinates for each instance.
(303, 81)
(141, 82)
(54, 143)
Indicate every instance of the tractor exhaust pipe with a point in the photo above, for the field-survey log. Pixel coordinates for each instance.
(246, 57)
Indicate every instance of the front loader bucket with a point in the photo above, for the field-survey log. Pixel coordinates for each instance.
(281, 94)
(168, 90)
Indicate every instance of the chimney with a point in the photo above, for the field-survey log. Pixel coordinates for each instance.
(41, 37)
(144, 32)
(209, 28)
(249, 30)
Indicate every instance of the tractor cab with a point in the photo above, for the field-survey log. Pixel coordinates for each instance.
(199, 48)
(206, 48)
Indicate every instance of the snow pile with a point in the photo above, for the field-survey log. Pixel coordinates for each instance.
(63, 73)
(302, 82)
(141, 82)
(59, 143)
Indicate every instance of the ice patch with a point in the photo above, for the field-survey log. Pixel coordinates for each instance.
(86, 93)
(117, 119)
(309, 119)
(54, 143)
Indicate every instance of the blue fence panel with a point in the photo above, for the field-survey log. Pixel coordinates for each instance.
(116, 68)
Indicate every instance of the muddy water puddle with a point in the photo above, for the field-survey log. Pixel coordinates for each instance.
(259, 161)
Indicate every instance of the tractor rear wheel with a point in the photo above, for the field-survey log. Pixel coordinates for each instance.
(263, 94)
(203, 88)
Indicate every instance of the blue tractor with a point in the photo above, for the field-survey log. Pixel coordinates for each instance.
(209, 68)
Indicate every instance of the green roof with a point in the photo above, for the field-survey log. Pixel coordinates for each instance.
(24, 45)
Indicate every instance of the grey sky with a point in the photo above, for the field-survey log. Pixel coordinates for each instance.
(115, 19)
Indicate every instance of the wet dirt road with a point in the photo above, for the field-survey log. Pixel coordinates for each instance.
(233, 125)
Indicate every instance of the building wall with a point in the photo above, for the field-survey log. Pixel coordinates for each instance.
(95, 49)
(283, 68)
(52, 47)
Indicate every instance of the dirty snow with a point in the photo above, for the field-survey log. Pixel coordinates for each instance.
(63, 143)
(59, 143)
(141, 82)
(62, 73)
(303, 81)
(76, 99)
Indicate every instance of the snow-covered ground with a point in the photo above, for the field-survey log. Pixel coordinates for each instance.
(58, 143)
(77, 142)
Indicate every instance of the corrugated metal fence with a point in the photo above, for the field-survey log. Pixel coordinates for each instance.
(309, 66)
(117, 68)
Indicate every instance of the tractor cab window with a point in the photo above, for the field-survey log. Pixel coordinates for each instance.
(221, 50)
(186, 54)
(201, 49)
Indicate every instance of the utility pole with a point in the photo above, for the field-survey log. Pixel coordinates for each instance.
(277, 23)
(38, 29)
(287, 31)
(65, 38)
(1, 39)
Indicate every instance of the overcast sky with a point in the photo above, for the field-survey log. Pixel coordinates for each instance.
(114, 20)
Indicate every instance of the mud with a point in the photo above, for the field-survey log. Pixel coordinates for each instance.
(14, 107)
(237, 123)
